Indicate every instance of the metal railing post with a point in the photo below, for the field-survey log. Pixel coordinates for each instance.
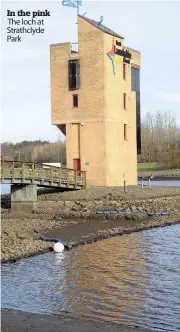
(149, 182)
(142, 183)
(150, 178)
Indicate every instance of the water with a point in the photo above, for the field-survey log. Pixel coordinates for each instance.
(133, 280)
(161, 183)
(5, 188)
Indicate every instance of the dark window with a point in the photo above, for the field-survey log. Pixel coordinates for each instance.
(138, 122)
(135, 79)
(75, 100)
(124, 71)
(124, 100)
(125, 131)
(135, 86)
(74, 74)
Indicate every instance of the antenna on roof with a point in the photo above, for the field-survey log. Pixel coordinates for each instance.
(101, 19)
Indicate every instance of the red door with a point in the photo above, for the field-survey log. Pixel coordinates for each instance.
(77, 165)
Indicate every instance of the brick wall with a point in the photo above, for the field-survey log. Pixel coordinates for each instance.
(107, 158)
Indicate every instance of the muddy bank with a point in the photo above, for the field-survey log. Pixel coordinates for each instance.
(111, 193)
(75, 232)
(100, 193)
(166, 173)
(17, 321)
(75, 221)
(71, 216)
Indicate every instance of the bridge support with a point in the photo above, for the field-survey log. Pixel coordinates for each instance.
(23, 197)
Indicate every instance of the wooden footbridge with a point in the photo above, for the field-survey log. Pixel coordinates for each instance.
(16, 172)
(24, 178)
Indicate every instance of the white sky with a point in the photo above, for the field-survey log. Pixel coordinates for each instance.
(153, 27)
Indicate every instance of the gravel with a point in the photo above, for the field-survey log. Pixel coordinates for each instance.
(72, 214)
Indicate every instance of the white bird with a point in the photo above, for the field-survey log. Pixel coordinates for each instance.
(58, 247)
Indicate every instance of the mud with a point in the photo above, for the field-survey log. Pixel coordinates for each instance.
(76, 222)
(17, 321)
(71, 216)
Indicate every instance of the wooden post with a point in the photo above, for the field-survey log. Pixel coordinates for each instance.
(13, 172)
(23, 172)
(60, 176)
(83, 176)
(124, 186)
(68, 177)
(51, 174)
(33, 173)
(75, 179)
(85, 183)
(2, 169)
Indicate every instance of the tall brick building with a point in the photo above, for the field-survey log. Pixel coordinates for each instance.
(95, 96)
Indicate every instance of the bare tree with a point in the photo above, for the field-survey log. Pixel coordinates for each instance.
(160, 139)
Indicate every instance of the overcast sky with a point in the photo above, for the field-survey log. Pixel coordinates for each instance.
(149, 26)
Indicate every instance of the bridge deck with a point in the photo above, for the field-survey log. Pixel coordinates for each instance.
(16, 172)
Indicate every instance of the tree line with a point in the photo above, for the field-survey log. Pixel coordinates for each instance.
(160, 140)
(36, 151)
(160, 143)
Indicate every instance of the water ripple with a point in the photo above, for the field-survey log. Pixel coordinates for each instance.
(133, 279)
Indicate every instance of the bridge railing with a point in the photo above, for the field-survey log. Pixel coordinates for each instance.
(29, 170)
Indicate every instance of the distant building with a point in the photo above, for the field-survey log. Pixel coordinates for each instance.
(47, 165)
(95, 95)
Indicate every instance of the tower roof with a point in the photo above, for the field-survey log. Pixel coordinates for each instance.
(101, 27)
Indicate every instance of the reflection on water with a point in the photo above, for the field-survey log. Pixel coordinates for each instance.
(132, 279)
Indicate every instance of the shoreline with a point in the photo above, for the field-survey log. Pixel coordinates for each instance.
(16, 320)
(71, 217)
(19, 321)
(162, 174)
(169, 175)
(159, 177)
(109, 233)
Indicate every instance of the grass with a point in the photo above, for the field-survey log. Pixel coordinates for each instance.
(147, 167)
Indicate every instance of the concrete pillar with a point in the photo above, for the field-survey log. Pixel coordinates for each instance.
(23, 197)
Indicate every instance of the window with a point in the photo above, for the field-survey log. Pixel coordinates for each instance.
(125, 131)
(75, 100)
(135, 86)
(74, 74)
(124, 71)
(135, 79)
(124, 101)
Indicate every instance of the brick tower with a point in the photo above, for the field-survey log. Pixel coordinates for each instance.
(95, 96)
